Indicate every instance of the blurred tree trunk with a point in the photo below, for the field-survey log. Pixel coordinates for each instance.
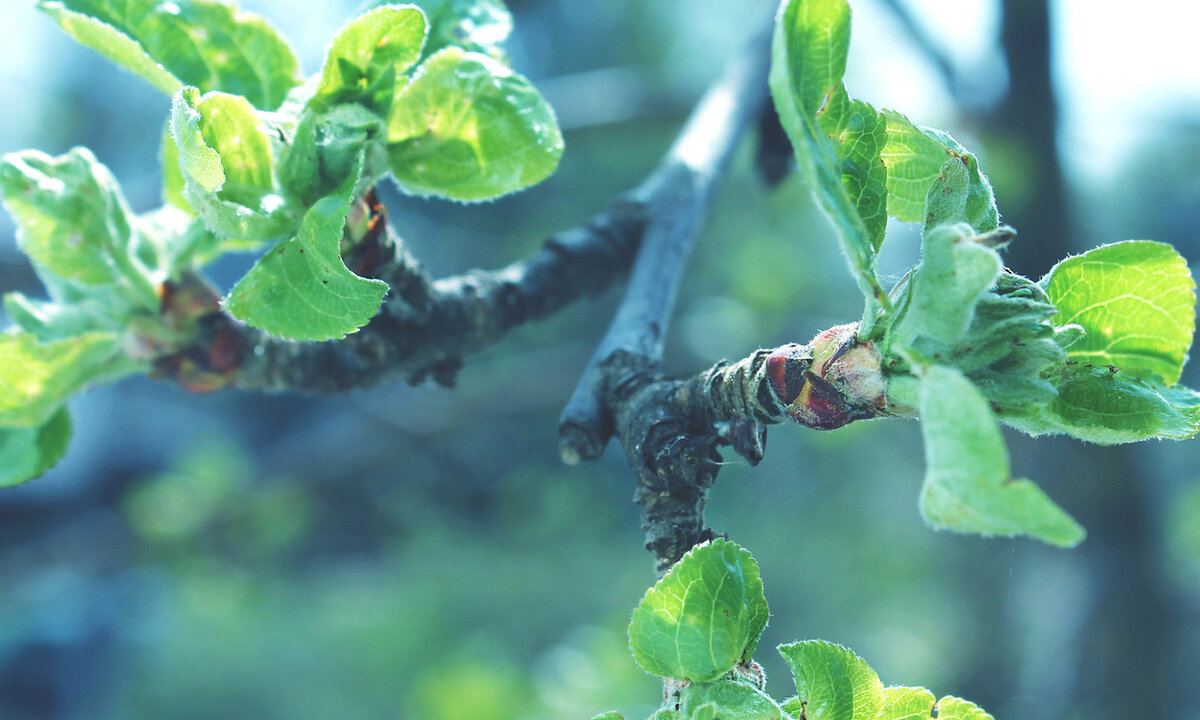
(1122, 645)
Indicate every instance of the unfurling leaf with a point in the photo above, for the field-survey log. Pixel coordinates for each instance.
(468, 128)
(225, 159)
(727, 699)
(703, 617)
(373, 47)
(301, 289)
(1136, 302)
(837, 140)
(204, 43)
(968, 484)
(36, 378)
(915, 157)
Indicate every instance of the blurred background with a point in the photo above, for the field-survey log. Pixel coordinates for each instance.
(421, 553)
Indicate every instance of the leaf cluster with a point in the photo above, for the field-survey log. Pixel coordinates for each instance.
(256, 157)
(699, 625)
(1093, 350)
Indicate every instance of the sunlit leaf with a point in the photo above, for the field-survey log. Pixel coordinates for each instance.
(915, 157)
(832, 682)
(968, 484)
(36, 378)
(27, 452)
(301, 289)
(383, 42)
(1135, 300)
(703, 617)
(952, 708)
(468, 128)
(906, 703)
(225, 159)
(73, 221)
(836, 140)
(210, 45)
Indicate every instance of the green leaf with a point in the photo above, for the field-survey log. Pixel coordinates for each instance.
(1100, 406)
(327, 148)
(833, 683)
(727, 699)
(703, 617)
(73, 222)
(208, 44)
(36, 378)
(952, 708)
(468, 128)
(27, 452)
(968, 484)
(610, 715)
(915, 157)
(225, 158)
(836, 141)
(955, 272)
(473, 25)
(301, 289)
(906, 703)
(1136, 301)
(380, 43)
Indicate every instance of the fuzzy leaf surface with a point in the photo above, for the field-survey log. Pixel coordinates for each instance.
(836, 141)
(73, 221)
(27, 452)
(210, 45)
(702, 617)
(915, 156)
(968, 484)
(36, 378)
(380, 43)
(727, 699)
(832, 682)
(1136, 301)
(301, 289)
(1100, 406)
(225, 159)
(468, 128)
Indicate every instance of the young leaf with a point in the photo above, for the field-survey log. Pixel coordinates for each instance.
(833, 683)
(952, 708)
(26, 452)
(468, 128)
(1100, 406)
(473, 25)
(968, 485)
(208, 44)
(381, 41)
(703, 617)
(36, 378)
(1135, 300)
(727, 699)
(73, 221)
(225, 158)
(914, 156)
(610, 715)
(328, 146)
(906, 703)
(301, 289)
(836, 141)
(954, 273)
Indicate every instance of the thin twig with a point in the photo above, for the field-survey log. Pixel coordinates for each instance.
(676, 197)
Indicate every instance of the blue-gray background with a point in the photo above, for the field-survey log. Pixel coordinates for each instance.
(420, 553)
